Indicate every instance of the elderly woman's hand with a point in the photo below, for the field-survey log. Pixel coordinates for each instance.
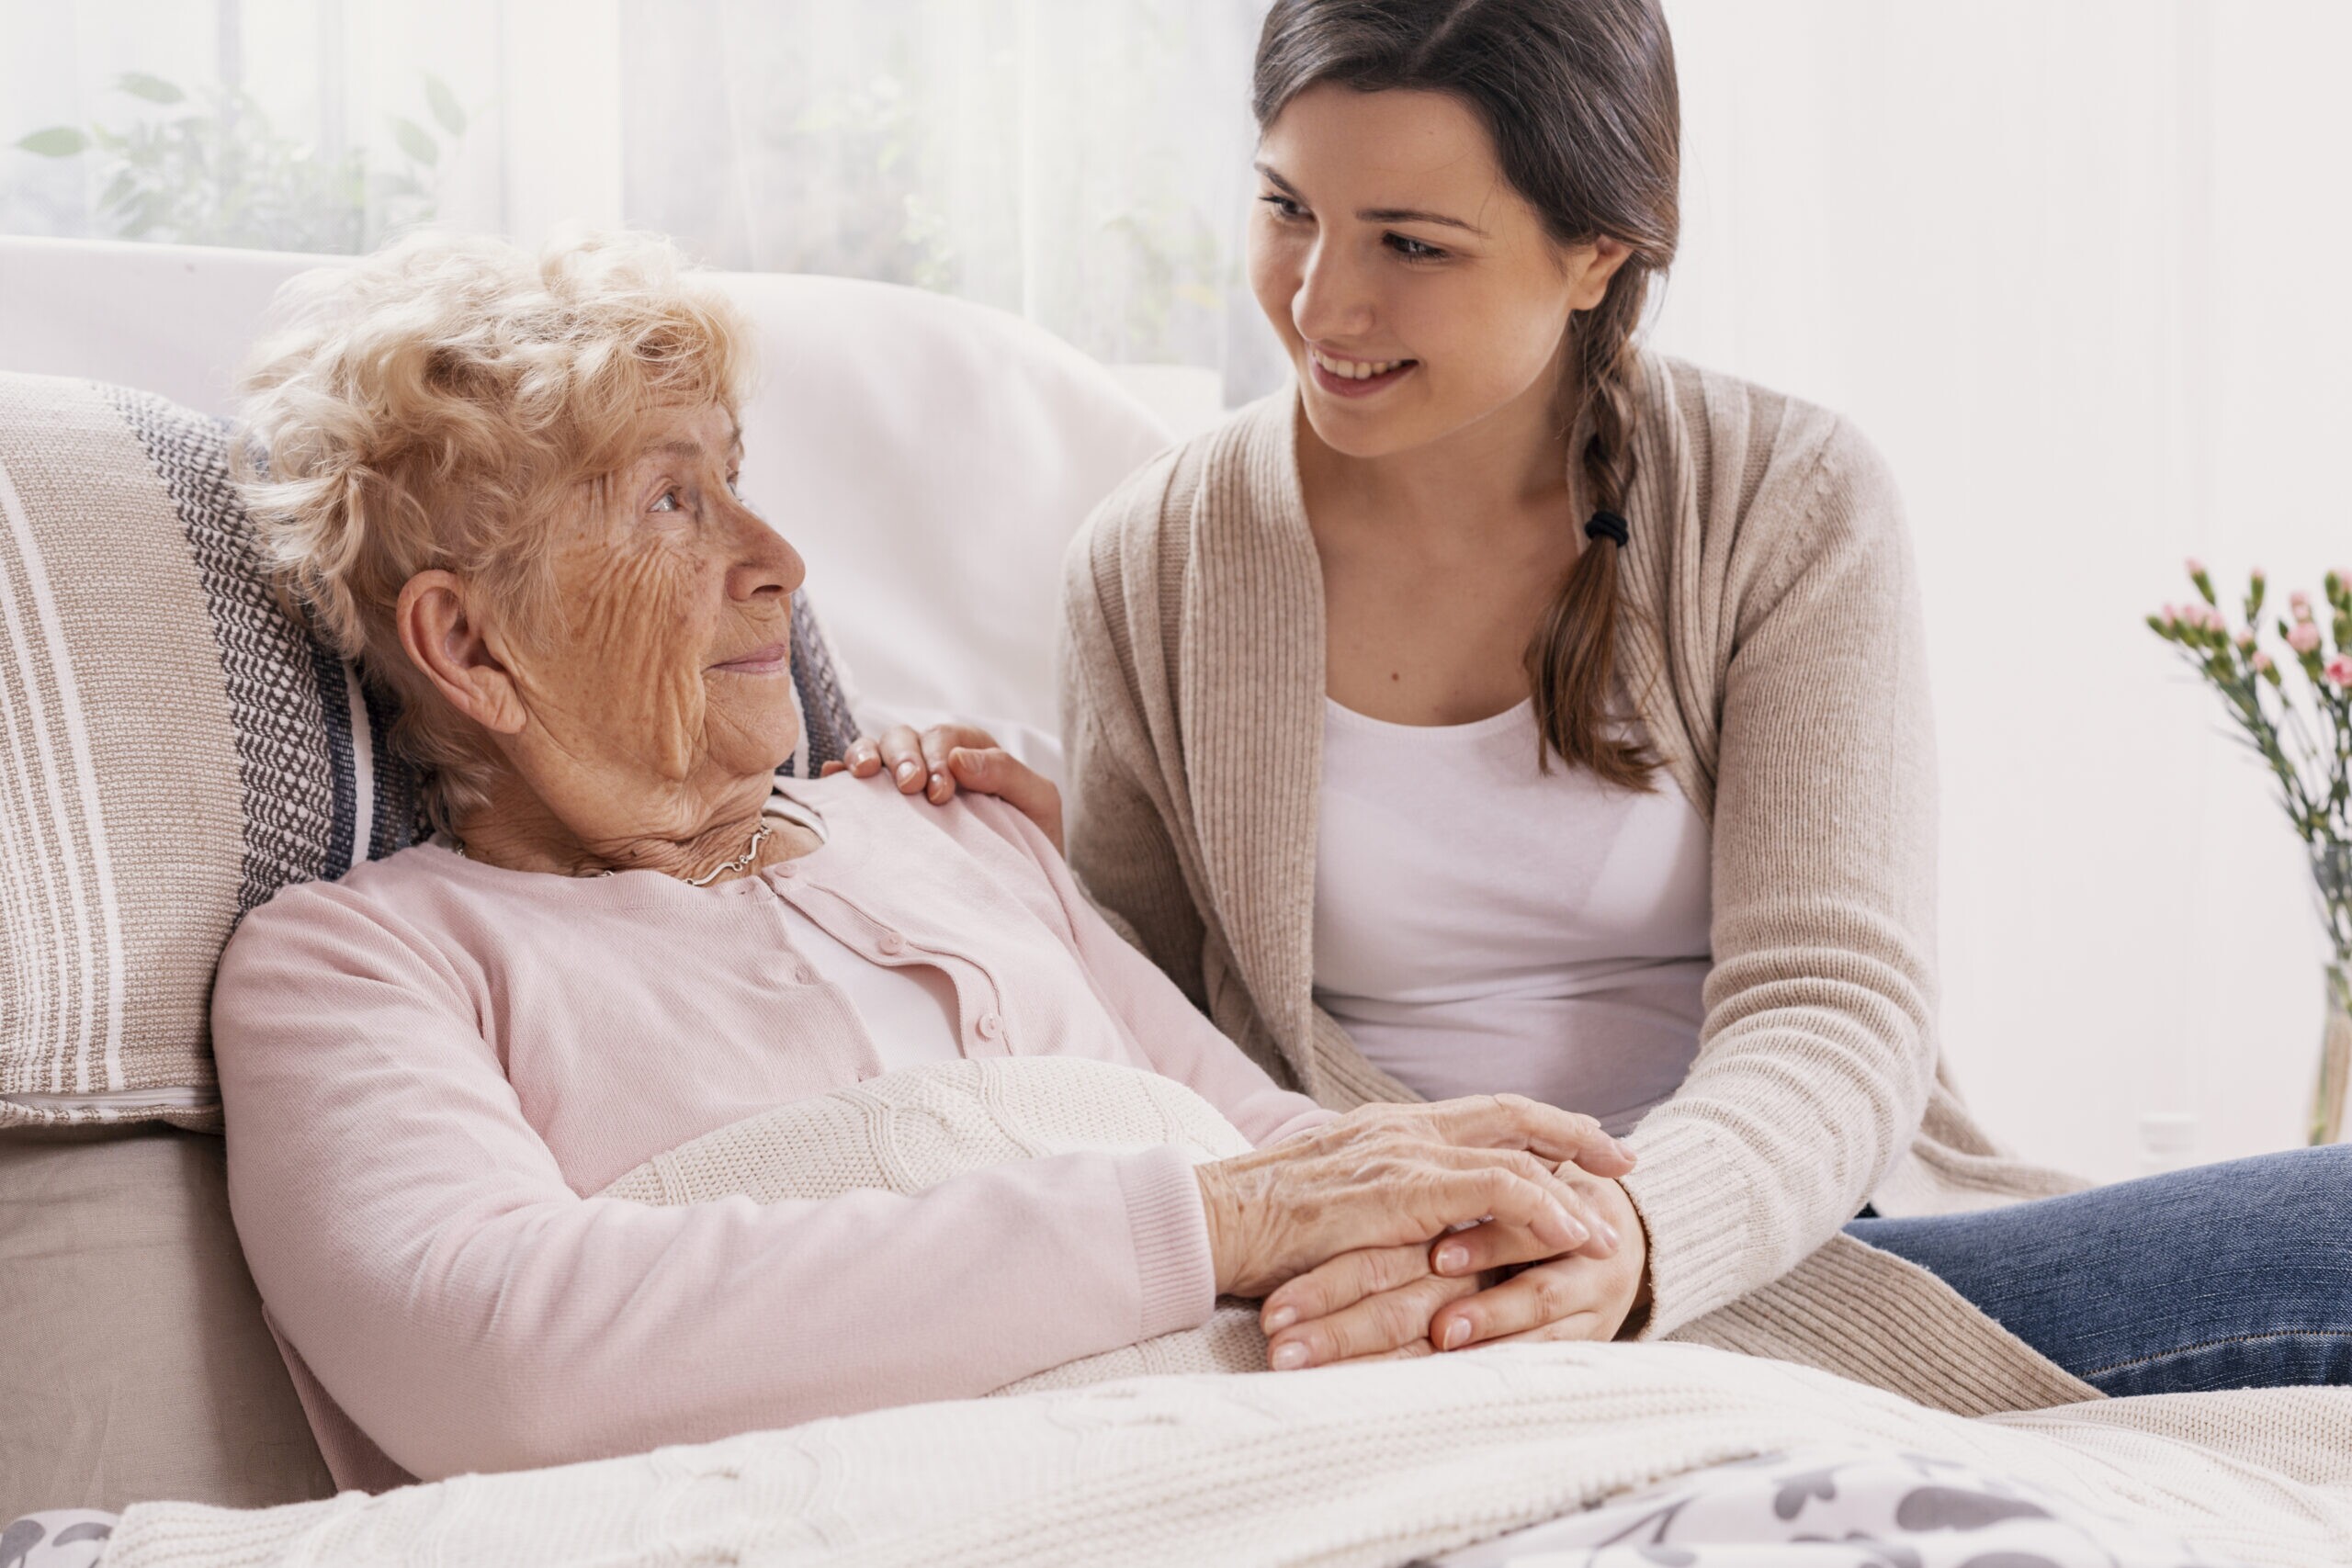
(1465, 1289)
(1385, 1176)
(935, 763)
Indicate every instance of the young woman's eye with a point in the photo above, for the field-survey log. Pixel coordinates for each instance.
(1414, 250)
(1284, 207)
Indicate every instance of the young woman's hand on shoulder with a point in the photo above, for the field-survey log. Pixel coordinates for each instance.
(936, 763)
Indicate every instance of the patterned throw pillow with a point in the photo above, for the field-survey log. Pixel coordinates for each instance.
(173, 749)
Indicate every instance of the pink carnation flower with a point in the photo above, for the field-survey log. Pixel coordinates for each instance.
(2195, 567)
(2303, 638)
(2262, 665)
(2301, 602)
(2339, 670)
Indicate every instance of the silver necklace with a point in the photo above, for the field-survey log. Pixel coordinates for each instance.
(751, 852)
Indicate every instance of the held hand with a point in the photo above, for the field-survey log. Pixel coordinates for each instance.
(1385, 1176)
(937, 761)
(1458, 1292)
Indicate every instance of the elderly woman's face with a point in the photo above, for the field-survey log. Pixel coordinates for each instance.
(668, 674)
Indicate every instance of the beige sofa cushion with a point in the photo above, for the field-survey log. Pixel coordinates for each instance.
(138, 1366)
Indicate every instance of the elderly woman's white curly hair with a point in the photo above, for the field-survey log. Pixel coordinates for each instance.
(432, 406)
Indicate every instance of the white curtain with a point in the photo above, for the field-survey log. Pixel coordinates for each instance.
(1083, 163)
(1080, 163)
(2072, 264)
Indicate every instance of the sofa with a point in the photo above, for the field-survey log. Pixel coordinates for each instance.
(929, 458)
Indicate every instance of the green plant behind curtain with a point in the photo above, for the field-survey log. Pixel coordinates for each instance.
(215, 171)
(1082, 164)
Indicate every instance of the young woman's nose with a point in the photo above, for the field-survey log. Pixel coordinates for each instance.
(1334, 299)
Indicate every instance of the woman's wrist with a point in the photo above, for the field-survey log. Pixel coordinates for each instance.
(1221, 1208)
(1635, 1229)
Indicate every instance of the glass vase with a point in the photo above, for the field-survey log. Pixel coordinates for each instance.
(2334, 1058)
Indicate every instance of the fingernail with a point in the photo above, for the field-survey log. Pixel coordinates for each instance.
(1288, 1356)
(906, 771)
(1623, 1152)
(1608, 1233)
(1571, 1233)
(1280, 1318)
(1450, 1258)
(1457, 1334)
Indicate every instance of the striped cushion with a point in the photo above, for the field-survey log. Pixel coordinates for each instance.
(174, 748)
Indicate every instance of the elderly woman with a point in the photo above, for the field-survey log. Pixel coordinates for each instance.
(508, 487)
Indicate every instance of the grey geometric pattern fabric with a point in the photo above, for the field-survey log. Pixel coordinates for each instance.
(1834, 1507)
(824, 708)
(286, 692)
(64, 1538)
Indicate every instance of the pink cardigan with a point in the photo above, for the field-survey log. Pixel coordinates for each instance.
(430, 1065)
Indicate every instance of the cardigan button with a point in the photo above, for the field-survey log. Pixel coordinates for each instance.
(893, 943)
(990, 1026)
(802, 973)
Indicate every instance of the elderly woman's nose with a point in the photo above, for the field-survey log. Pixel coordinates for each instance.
(766, 562)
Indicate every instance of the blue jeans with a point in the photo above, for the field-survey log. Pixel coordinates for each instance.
(2223, 1276)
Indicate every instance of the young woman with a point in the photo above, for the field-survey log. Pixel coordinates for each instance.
(1505, 708)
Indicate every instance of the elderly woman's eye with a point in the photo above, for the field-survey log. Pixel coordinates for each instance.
(666, 502)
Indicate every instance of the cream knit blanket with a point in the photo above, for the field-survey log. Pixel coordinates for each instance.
(1367, 1466)
(904, 1132)
(1360, 1465)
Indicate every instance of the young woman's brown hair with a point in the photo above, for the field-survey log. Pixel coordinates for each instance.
(1580, 98)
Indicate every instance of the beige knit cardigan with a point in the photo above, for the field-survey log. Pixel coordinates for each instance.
(1775, 654)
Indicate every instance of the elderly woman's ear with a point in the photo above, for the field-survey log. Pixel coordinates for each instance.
(454, 648)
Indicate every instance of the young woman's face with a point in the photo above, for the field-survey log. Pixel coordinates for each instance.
(1417, 292)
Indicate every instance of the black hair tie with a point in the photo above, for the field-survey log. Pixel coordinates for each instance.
(1606, 525)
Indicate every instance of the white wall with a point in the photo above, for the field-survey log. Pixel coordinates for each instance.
(2076, 268)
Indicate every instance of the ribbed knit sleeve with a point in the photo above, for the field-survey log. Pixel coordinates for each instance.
(1119, 802)
(1173, 1266)
(1819, 1053)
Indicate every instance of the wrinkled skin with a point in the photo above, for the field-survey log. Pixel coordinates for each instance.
(1489, 1284)
(639, 727)
(1282, 1210)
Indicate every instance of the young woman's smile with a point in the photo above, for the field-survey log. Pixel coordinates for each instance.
(1352, 375)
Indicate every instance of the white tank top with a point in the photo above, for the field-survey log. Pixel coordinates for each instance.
(1483, 927)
